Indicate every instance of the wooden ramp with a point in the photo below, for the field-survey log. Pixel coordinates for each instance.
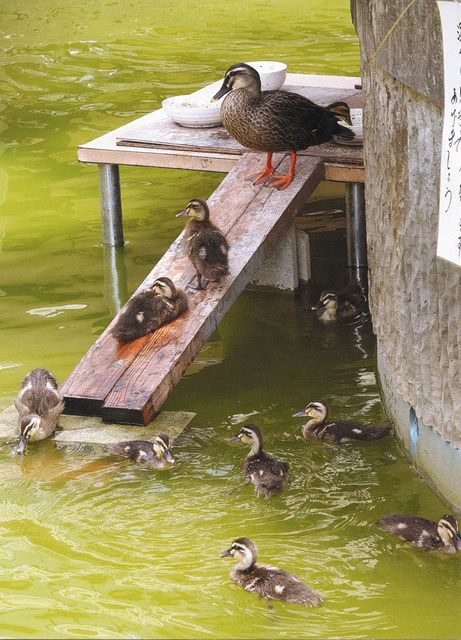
(129, 383)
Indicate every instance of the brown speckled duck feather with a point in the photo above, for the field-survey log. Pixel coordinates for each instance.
(149, 310)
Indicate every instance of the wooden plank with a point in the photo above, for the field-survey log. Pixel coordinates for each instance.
(319, 221)
(144, 386)
(344, 173)
(90, 382)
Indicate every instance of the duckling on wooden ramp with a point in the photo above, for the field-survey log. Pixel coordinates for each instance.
(268, 582)
(207, 247)
(274, 121)
(149, 310)
(39, 404)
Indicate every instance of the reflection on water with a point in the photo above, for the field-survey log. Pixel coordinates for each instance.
(96, 547)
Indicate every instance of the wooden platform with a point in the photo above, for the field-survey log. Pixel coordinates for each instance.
(156, 141)
(130, 383)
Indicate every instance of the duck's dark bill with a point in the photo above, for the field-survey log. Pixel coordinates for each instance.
(300, 414)
(233, 438)
(169, 457)
(225, 554)
(19, 450)
(222, 92)
(181, 213)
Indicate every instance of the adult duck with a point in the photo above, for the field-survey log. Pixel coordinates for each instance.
(274, 121)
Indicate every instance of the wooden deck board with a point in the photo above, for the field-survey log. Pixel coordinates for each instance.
(129, 383)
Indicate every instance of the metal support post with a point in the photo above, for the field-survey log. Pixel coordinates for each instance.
(115, 278)
(111, 205)
(357, 235)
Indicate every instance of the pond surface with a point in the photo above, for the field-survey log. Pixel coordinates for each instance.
(107, 549)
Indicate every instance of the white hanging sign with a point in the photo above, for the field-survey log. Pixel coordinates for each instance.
(449, 236)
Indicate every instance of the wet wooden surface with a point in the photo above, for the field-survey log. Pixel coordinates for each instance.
(129, 383)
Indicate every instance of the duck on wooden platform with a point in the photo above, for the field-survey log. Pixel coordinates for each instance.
(332, 307)
(268, 474)
(268, 582)
(273, 121)
(149, 310)
(39, 404)
(155, 454)
(338, 431)
(207, 247)
(425, 534)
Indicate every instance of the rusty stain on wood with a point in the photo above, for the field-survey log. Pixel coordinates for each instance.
(129, 383)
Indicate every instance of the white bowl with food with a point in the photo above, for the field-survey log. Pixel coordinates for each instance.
(197, 110)
(193, 111)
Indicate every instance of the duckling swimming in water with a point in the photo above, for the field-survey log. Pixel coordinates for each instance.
(39, 404)
(155, 454)
(268, 582)
(207, 247)
(148, 310)
(332, 307)
(336, 431)
(425, 534)
(274, 121)
(269, 475)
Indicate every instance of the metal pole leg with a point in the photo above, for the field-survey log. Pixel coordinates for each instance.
(357, 234)
(111, 205)
(115, 277)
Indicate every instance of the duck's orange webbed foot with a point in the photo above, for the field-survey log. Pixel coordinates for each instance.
(282, 182)
(262, 176)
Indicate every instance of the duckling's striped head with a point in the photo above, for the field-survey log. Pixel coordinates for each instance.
(197, 209)
(341, 111)
(244, 550)
(328, 300)
(28, 426)
(249, 434)
(164, 287)
(317, 410)
(161, 445)
(447, 528)
(239, 76)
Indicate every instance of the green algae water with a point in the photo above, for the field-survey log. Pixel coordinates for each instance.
(112, 550)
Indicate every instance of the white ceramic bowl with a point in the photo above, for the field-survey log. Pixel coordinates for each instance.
(193, 111)
(272, 74)
(197, 110)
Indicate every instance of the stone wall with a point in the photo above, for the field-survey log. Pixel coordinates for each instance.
(415, 298)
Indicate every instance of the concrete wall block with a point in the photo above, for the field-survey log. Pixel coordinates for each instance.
(280, 268)
(415, 298)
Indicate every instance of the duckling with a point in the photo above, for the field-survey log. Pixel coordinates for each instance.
(336, 431)
(268, 582)
(269, 475)
(274, 121)
(149, 309)
(39, 405)
(425, 534)
(332, 307)
(156, 454)
(207, 247)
